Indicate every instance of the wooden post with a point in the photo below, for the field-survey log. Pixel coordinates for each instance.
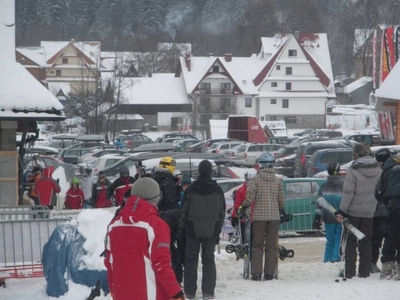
(397, 131)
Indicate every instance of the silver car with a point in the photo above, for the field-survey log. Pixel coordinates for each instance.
(247, 154)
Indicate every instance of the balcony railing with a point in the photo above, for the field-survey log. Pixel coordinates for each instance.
(215, 91)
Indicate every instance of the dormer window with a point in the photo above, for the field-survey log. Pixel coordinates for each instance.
(292, 52)
(278, 67)
(289, 71)
(215, 69)
(65, 60)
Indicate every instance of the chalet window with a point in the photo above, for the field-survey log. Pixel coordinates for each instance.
(215, 69)
(292, 52)
(65, 60)
(289, 71)
(226, 88)
(288, 86)
(58, 72)
(272, 118)
(278, 67)
(273, 101)
(274, 84)
(291, 119)
(285, 103)
(262, 119)
(247, 102)
(205, 88)
(225, 103)
(204, 104)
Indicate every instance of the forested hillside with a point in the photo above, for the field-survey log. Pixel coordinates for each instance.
(212, 26)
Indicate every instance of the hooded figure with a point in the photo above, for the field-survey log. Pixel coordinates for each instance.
(359, 204)
(138, 258)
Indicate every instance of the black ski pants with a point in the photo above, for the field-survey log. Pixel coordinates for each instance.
(392, 240)
(363, 246)
(378, 234)
(209, 278)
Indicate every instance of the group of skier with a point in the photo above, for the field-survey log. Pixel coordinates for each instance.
(356, 199)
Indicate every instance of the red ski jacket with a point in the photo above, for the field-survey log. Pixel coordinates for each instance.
(45, 188)
(74, 199)
(138, 257)
(119, 187)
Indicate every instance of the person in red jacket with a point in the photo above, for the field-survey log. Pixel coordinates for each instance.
(137, 254)
(120, 186)
(46, 189)
(99, 191)
(74, 197)
(239, 198)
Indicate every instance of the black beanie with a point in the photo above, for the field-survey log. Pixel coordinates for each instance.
(205, 167)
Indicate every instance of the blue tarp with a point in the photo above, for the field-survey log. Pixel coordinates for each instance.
(62, 260)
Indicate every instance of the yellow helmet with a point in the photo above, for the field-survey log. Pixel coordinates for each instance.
(167, 162)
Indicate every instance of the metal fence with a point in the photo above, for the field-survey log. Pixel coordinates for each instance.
(23, 212)
(21, 244)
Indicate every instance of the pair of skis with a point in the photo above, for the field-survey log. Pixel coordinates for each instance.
(349, 228)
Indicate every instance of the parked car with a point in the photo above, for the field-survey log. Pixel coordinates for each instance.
(330, 133)
(221, 146)
(181, 145)
(72, 153)
(321, 158)
(280, 140)
(209, 142)
(304, 152)
(247, 154)
(300, 200)
(96, 153)
(230, 154)
(100, 163)
(304, 132)
(367, 138)
(285, 165)
(196, 148)
(134, 140)
(176, 136)
(229, 183)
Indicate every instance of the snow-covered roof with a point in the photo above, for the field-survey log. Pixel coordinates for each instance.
(355, 85)
(269, 45)
(154, 90)
(55, 87)
(36, 54)
(389, 91)
(118, 60)
(21, 95)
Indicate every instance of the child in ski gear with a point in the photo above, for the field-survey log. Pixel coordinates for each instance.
(331, 190)
(240, 196)
(74, 197)
(359, 204)
(185, 182)
(46, 188)
(202, 217)
(36, 175)
(167, 183)
(118, 144)
(138, 257)
(99, 191)
(266, 192)
(391, 247)
(120, 185)
(85, 183)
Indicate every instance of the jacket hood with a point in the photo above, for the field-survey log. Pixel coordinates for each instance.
(267, 174)
(367, 165)
(390, 162)
(137, 209)
(161, 174)
(204, 185)
(333, 180)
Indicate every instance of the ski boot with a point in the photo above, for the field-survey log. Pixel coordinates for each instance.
(387, 270)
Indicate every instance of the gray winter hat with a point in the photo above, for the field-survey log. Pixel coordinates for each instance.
(146, 188)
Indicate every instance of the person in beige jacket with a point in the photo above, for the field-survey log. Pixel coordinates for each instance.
(266, 192)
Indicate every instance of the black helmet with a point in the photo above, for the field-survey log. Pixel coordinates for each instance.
(382, 155)
(123, 171)
(333, 168)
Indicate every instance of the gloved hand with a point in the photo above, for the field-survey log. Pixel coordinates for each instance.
(180, 296)
(234, 222)
(240, 212)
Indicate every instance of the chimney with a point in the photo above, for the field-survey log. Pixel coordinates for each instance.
(187, 61)
(7, 31)
(210, 54)
(228, 57)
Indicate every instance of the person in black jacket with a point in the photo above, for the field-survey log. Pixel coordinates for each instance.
(202, 217)
(167, 183)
